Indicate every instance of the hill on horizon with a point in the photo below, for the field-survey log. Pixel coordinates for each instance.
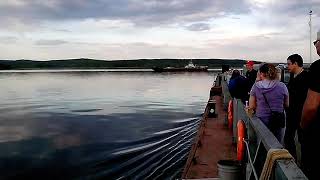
(85, 63)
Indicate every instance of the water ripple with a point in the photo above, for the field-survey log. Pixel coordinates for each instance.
(98, 125)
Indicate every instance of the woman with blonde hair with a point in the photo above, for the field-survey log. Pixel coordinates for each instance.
(269, 97)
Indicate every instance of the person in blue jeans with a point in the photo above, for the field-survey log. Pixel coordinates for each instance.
(267, 95)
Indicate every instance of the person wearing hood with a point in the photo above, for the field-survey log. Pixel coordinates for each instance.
(239, 86)
(267, 96)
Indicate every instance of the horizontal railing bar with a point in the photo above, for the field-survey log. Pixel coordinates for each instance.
(268, 139)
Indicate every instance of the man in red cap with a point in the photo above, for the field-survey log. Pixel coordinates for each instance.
(251, 73)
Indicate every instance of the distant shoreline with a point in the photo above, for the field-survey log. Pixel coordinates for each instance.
(119, 64)
(93, 70)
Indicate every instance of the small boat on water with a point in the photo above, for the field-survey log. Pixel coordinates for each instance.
(188, 68)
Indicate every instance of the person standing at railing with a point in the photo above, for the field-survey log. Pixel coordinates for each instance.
(269, 97)
(239, 86)
(310, 121)
(298, 88)
(251, 73)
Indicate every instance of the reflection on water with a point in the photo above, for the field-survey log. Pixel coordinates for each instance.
(98, 124)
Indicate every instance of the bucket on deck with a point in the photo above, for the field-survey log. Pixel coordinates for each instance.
(212, 109)
(229, 170)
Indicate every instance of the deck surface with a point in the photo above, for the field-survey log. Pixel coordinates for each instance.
(216, 145)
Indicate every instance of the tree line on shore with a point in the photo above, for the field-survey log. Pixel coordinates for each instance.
(84, 63)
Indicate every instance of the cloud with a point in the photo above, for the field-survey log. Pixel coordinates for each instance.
(263, 47)
(199, 27)
(63, 30)
(130, 29)
(285, 13)
(147, 12)
(294, 7)
(50, 42)
(8, 39)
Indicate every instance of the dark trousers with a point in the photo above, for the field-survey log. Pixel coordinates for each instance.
(310, 159)
(289, 139)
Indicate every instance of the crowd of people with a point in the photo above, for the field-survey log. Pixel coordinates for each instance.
(287, 110)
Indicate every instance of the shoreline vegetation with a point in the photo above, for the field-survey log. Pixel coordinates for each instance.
(83, 63)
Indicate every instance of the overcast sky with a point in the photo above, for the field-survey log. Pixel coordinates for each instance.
(264, 30)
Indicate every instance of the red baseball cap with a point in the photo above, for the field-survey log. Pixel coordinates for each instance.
(251, 63)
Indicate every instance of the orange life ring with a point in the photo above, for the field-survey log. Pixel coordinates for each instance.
(230, 114)
(241, 135)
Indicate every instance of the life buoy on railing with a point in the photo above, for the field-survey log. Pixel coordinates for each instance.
(230, 114)
(241, 135)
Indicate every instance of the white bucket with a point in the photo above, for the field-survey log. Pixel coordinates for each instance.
(229, 170)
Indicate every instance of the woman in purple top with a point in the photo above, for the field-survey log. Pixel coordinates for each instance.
(275, 92)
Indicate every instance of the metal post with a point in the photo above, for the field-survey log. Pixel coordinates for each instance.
(310, 26)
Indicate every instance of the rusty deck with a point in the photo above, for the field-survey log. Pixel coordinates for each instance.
(214, 144)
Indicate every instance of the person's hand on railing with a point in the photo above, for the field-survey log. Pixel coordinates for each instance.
(249, 112)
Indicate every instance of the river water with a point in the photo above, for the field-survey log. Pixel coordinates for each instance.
(98, 124)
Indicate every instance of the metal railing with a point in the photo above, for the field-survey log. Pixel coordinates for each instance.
(260, 140)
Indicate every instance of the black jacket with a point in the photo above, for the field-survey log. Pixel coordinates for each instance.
(298, 89)
(251, 75)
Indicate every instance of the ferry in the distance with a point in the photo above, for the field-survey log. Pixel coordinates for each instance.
(188, 68)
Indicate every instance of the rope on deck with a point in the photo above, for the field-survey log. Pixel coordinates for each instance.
(272, 156)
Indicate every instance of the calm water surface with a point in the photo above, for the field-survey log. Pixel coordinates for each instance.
(98, 124)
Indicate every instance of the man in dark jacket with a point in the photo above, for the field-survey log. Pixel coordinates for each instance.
(298, 88)
(251, 73)
(310, 121)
